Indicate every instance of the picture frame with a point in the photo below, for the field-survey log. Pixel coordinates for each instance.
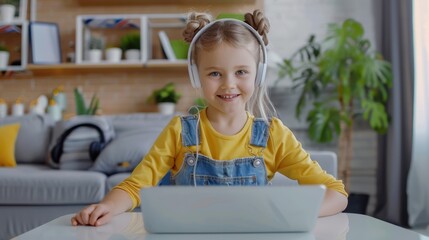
(45, 43)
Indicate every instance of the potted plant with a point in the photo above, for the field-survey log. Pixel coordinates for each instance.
(7, 10)
(4, 56)
(113, 54)
(346, 80)
(96, 44)
(166, 98)
(130, 45)
(199, 104)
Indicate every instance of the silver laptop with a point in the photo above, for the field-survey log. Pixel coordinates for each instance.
(223, 209)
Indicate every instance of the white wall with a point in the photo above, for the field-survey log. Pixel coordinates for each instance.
(292, 22)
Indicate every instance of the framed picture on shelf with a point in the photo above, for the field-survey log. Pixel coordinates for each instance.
(45, 43)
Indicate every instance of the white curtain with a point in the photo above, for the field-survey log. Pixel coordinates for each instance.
(418, 178)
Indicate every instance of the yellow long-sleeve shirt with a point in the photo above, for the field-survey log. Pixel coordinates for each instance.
(283, 154)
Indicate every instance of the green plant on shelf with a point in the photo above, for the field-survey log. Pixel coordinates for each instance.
(11, 2)
(96, 42)
(165, 94)
(3, 48)
(199, 104)
(81, 108)
(130, 41)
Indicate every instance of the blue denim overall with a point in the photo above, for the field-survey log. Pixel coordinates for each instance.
(241, 171)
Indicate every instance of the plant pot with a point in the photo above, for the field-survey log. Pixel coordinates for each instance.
(132, 54)
(7, 12)
(358, 203)
(113, 54)
(4, 59)
(166, 108)
(94, 55)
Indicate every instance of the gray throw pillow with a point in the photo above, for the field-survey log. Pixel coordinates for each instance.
(33, 137)
(125, 152)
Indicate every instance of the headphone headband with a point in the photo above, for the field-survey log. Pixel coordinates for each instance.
(90, 125)
(57, 150)
(192, 68)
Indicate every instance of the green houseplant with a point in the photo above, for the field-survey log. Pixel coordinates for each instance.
(81, 106)
(345, 80)
(130, 41)
(130, 45)
(166, 98)
(96, 45)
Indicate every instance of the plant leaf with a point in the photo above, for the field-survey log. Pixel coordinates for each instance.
(80, 102)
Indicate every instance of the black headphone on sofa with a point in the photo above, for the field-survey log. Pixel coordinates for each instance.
(94, 148)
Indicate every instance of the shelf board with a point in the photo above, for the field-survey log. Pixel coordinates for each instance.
(72, 68)
(166, 64)
(157, 2)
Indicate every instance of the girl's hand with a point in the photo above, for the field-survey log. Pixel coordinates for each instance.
(116, 201)
(93, 215)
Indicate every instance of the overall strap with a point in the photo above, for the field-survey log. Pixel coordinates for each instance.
(260, 132)
(190, 131)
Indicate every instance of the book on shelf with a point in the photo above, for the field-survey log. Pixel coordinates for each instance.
(166, 46)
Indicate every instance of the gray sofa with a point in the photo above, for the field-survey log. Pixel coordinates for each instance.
(33, 193)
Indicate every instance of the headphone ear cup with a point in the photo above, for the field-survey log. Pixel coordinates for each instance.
(56, 153)
(95, 149)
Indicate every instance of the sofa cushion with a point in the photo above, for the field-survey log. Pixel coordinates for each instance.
(33, 184)
(135, 135)
(125, 152)
(115, 179)
(124, 123)
(8, 134)
(33, 137)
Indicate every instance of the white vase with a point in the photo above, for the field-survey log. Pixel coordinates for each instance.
(4, 59)
(7, 12)
(132, 54)
(55, 112)
(166, 108)
(3, 110)
(94, 55)
(113, 54)
(18, 109)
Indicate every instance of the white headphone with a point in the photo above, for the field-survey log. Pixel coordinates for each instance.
(192, 67)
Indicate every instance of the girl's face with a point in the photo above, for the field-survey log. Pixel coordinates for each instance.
(227, 75)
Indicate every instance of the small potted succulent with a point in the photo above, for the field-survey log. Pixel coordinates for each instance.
(4, 56)
(130, 45)
(166, 98)
(95, 53)
(113, 54)
(7, 10)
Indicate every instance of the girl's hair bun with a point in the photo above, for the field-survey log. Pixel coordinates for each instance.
(259, 22)
(196, 21)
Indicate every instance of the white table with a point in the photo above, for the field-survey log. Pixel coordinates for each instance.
(130, 226)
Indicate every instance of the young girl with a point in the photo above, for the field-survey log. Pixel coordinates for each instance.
(225, 144)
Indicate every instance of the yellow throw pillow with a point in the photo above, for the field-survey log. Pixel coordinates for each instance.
(8, 135)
